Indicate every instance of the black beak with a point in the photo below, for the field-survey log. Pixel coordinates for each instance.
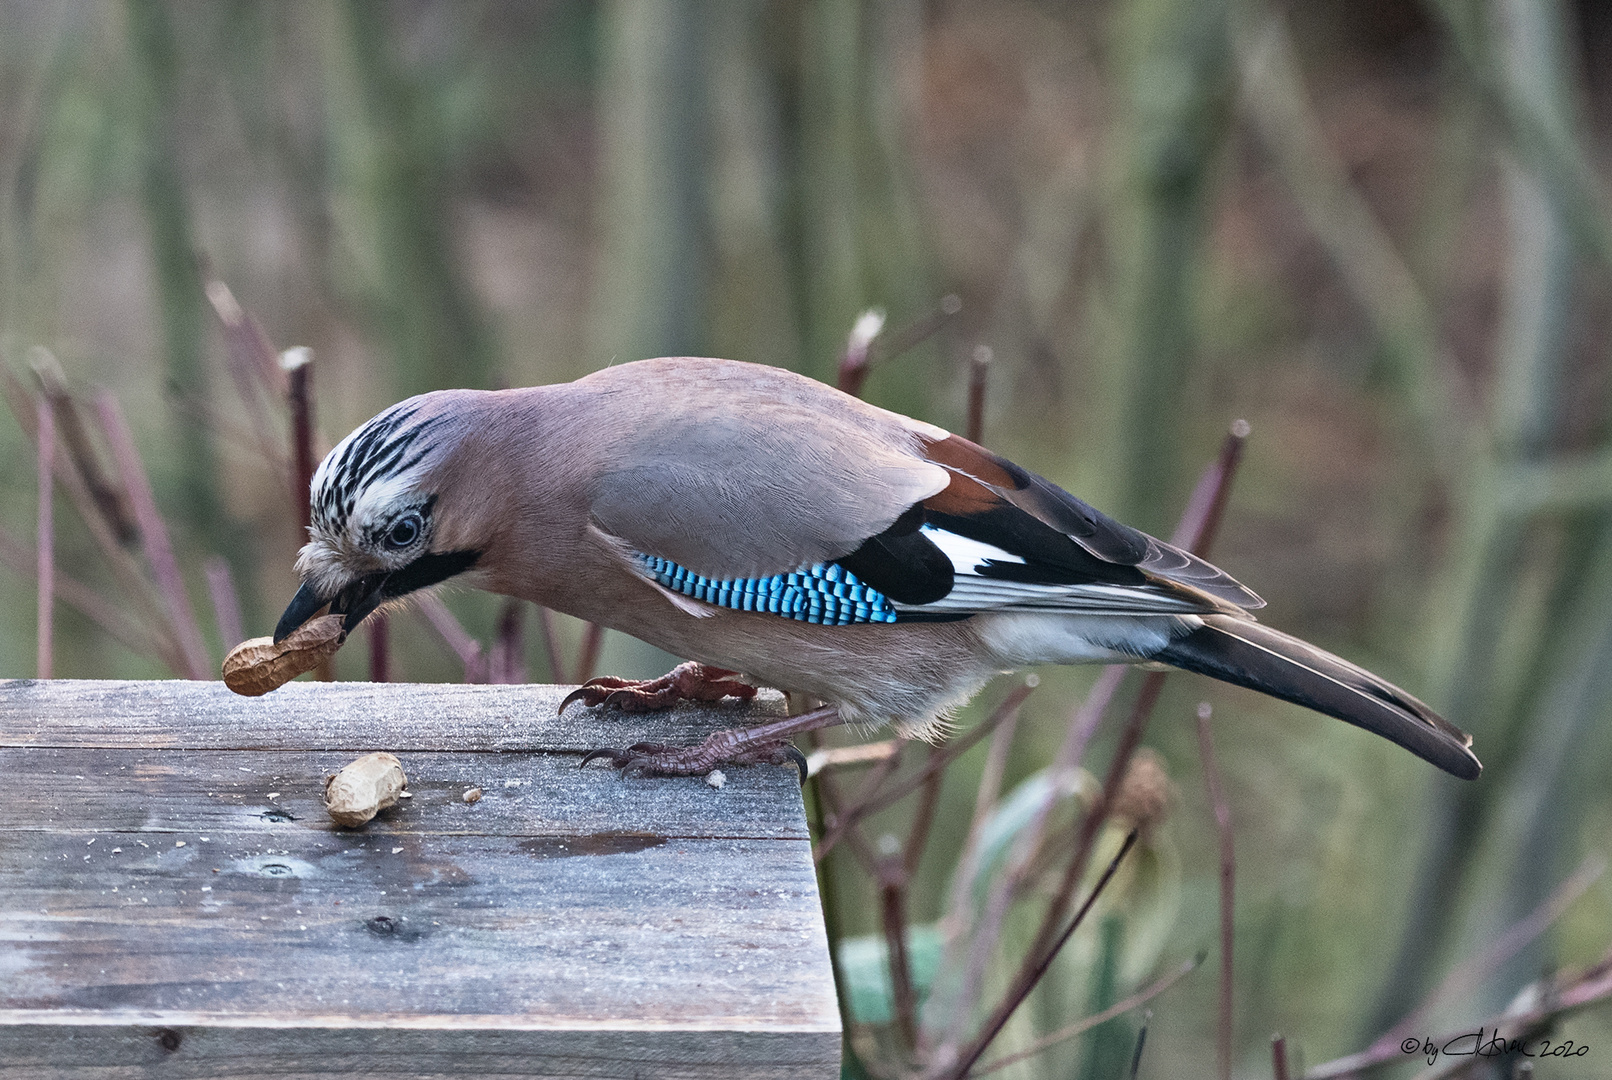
(355, 601)
(368, 593)
(304, 606)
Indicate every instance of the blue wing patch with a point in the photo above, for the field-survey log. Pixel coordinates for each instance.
(826, 594)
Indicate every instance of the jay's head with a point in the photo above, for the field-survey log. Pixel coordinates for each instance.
(381, 528)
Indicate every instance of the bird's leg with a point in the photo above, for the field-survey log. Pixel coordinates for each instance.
(763, 744)
(685, 682)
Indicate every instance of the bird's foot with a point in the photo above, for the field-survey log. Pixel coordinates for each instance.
(763, 744)
(685, 682)
(658, 759)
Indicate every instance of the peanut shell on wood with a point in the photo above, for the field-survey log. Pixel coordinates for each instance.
(364, 788)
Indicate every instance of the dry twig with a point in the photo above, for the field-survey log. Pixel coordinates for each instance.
(1228, 874)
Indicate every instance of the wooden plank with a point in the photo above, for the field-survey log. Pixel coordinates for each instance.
(161, 915)
(180, 714)
(85, 792)
(225, 1051)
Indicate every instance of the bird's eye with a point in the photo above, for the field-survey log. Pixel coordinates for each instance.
(405, 531)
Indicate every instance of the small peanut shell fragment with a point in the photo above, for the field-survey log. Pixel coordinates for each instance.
(472, 795)
(364, 788)
(256, 666)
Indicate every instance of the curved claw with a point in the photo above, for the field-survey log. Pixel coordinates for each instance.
(792, 752)
(618, 758)
(576, 695)
(591, 692)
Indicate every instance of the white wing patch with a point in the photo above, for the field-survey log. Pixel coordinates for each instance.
(966, 555)
(972, 591)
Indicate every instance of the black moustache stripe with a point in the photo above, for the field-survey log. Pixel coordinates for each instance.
(428, 570)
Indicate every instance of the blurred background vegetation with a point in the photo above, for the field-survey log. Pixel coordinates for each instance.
(1377, 230)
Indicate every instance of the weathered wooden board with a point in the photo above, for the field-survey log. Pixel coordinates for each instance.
(174, 902)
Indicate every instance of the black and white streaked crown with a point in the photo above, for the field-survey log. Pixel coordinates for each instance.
(387, 447)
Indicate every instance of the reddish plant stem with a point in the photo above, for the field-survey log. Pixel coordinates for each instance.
(1196, 531)
(226, 604)
(253, 368)
(154, 635)
(45, 551)
(1472, 971)
(978, 367)
(154, 537)
(1200, 521)
(924, 818)
(509, 648)
(893, 912)
(551, 645)
(1278, 1058)
(1004, 1012)
(467, 648)
(860, 354)
(1228, 876)
(90, 603)
(835, 816)
(1041, 951)
(1079, 1027)
(108, 496)
(298, 365)
(872, 801)
(588, 653)
(380, 647)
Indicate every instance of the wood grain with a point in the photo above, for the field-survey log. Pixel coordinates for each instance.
(181, 714)
(162, 915)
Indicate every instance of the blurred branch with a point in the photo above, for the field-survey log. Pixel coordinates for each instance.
(874, 801)
(259, 380)
(867, 344)
(1228, 876)
(45, 545)
(1279, 1058)
(588, 651)
(853, 369)
(1470, 973)
(379, 625)
(857, 754)
(507, 663)
(110, 498)
(154, 536)
(1276, 101)
(1195, 531)
(551, 644)
(1542, 1004)
(158, 638)
(1080, 1027)
(1039, 962)
(467, 648)
(226, 604)
(105, 614)
(979, 365)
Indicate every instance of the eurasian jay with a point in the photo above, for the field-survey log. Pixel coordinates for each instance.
(755, 520)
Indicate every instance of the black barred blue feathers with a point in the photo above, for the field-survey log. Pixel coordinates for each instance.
(826, 594)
